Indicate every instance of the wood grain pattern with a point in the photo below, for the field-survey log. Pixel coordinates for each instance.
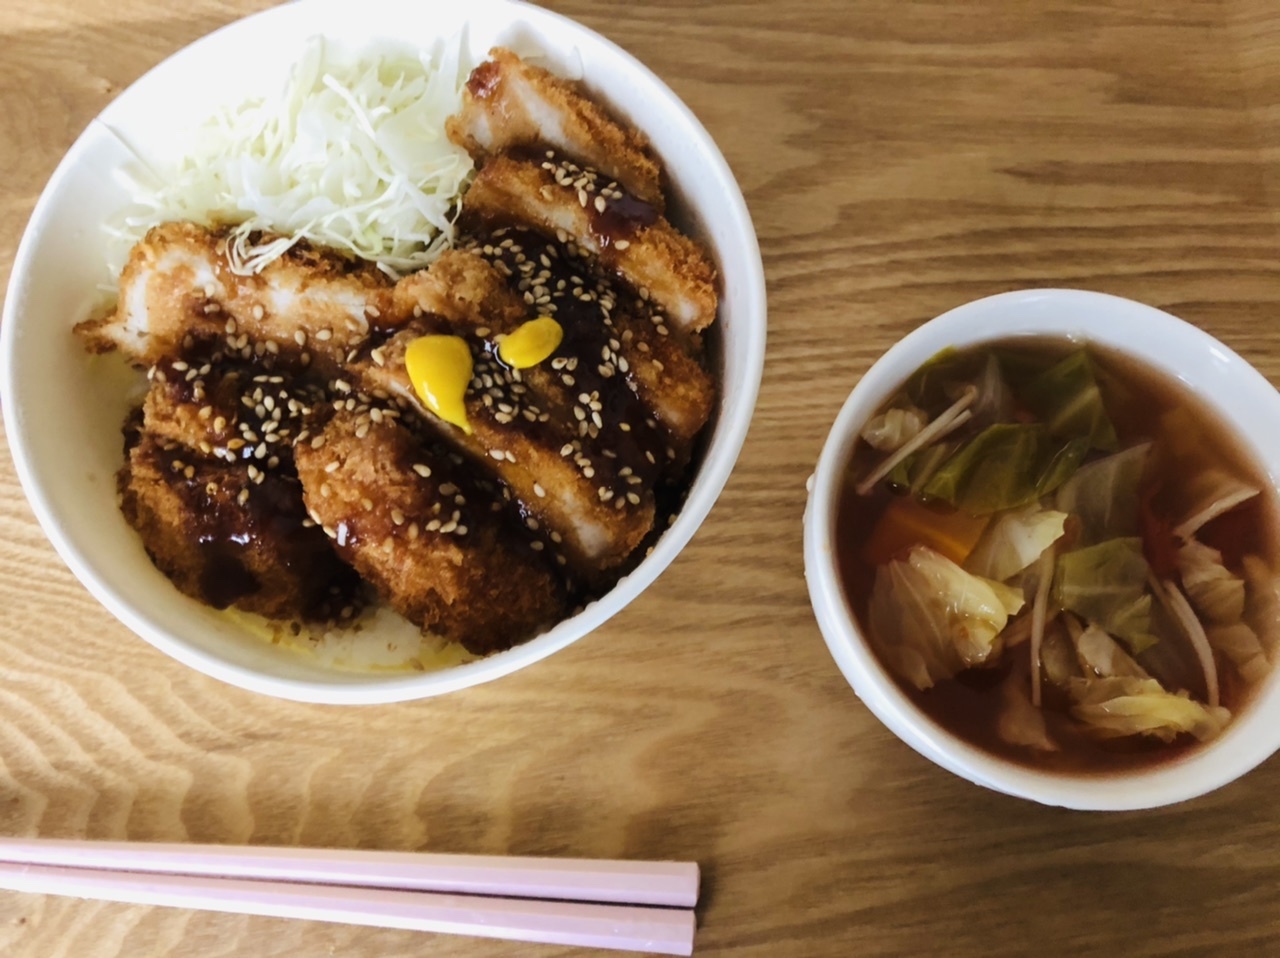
(898, 159)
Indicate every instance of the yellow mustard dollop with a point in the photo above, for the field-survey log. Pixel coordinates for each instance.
(532, 343)
(440, 369)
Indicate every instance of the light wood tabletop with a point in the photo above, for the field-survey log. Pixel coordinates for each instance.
(898, 159)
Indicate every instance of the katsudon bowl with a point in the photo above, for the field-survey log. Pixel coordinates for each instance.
(64, 409)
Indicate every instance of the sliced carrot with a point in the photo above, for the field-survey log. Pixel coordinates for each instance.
(908, 523)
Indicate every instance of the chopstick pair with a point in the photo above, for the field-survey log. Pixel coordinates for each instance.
(628, 906)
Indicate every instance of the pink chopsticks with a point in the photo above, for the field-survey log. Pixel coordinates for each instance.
(631, 906)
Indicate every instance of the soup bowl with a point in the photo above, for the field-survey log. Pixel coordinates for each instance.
(63, 409)
(1229, 387)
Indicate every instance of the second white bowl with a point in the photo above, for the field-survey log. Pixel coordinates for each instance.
(1231, 387)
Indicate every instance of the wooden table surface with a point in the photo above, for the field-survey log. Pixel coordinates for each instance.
(898, 159)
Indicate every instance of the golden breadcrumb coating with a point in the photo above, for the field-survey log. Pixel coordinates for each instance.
(225, 539)
(311, 304)
(640, 245)
(441, 559)
(510, 104)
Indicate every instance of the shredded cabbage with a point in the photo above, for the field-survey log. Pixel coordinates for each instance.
(352, 154)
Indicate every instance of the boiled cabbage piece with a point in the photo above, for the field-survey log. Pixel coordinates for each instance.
(1240, 645)
(1262, 602)
(1106, 585)
(894, 428)
(1067, 398)
(1103, 495)
(1020, 722)
(931, 619)
(1215, 593)
(995, 402)
(1100, 655)
(1014, 540)
(1125, 705)
(1005, 466)
(1059, 663)
(1213, 493)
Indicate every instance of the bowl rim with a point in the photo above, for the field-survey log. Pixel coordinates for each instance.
(1204, 769)
(726, 440)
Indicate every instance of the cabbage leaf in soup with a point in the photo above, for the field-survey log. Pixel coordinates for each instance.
(1014, 540)
(1106, 585)
(1103, 495)
(1005, 466)
(932, 619)
(1125, 705)
(1215, 593)
(1067, 398)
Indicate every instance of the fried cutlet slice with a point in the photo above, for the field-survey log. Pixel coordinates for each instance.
(590, 510)
(415, 528)
(508, 104)
(229, 411)
(178, 283)
(668, 374)
(226, 539)
(473, 295)
(630, 237)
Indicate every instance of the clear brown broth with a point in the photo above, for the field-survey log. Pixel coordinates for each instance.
(1136, 397)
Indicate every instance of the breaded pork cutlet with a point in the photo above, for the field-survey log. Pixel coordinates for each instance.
(668, 374)
(209, 485)
(509, 104)
(412, 526)
(227, 539)
(475, 296)
(229, 410)
(628, 235)
(310, 304)
(597, 517)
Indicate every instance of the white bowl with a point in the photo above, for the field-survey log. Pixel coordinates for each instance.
(63, 411)
(1225, 381)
